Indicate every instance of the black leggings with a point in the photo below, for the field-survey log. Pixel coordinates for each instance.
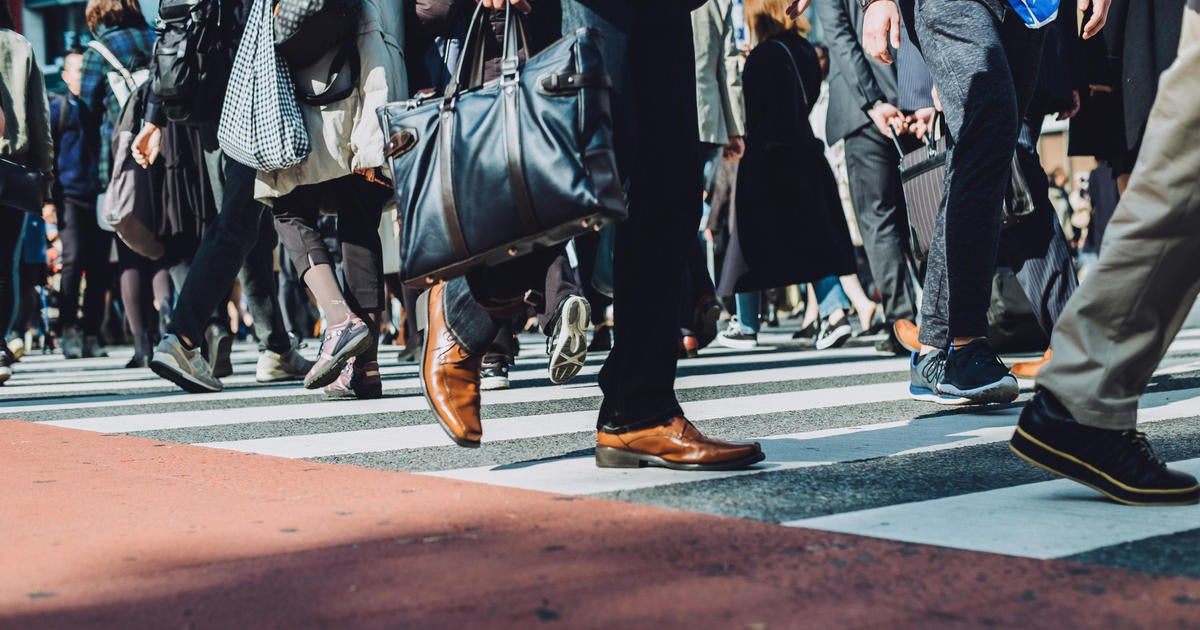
(11, 224)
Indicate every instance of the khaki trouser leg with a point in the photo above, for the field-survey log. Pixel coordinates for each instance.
(1118, 325)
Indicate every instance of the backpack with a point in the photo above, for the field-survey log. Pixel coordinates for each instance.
(121, 81)
(134, 193)
(193, 60)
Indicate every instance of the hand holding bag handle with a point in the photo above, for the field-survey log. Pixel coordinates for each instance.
(473, 47)
(497, 168)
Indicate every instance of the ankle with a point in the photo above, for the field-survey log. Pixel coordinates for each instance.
(959, 342)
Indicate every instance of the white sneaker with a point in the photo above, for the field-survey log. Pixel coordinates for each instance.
(186, 368)
(16, 346)
(289, 366)
(567, 346)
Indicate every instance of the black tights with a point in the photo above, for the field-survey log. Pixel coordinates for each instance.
(142, 281)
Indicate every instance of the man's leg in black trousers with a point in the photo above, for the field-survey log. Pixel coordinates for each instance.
(882, 218)
(658, 154)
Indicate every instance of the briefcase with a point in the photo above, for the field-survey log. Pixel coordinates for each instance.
(923, 175)
(492, 170)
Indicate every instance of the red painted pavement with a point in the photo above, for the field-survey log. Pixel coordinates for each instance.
(120, 532)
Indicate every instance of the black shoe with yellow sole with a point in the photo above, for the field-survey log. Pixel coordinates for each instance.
(1119, 464)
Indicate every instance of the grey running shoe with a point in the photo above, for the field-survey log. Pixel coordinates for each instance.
(72, 344)
(342, 342)
(220, 347)
(186, 368)
(274, 367)
(567, 346)
(925, 374)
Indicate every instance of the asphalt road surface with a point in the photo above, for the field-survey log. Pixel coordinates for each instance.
(847, 451)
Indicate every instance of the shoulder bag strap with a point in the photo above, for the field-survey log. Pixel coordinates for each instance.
(114, 62)
(795, 68)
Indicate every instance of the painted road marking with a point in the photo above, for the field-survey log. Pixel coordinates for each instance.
(1052, 519)
(579, 475)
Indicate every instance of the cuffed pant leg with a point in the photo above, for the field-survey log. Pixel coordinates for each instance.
(830, 296)
(1117, 327)
(472, 327)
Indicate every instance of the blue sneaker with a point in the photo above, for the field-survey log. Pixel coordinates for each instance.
(925, 374)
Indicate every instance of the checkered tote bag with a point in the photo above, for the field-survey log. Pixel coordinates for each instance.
(261, 124)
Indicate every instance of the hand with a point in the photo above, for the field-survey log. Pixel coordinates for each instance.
(887, 118)
(1094, 89)
(734, 149)
(520, 5)
(1099, 16)
(881, 25)
(797, 7)
(147, 145)
(1070, 113)
(708, 234)
(920, 123)
(50, 213)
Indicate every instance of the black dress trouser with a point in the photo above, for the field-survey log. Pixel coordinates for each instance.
(654, 122)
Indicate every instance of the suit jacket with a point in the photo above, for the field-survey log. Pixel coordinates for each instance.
(856, 82)
(718, 77)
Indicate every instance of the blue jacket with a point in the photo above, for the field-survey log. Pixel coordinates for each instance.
(77, 149)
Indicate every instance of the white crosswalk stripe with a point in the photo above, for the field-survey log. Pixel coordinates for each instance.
(812, 411)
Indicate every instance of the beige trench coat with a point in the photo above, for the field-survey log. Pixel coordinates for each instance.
(345, 135)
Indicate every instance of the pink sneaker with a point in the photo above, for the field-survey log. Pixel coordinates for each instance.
(341, 343)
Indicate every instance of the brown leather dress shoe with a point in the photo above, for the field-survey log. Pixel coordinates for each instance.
(677, 445)
(1030, 369)
(908, 333)
(449, 376)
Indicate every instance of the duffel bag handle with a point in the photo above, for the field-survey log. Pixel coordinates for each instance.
(473, 48)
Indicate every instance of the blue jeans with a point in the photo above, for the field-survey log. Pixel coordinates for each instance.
(830, 297)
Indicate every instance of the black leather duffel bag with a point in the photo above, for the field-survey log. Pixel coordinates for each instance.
(491, 171)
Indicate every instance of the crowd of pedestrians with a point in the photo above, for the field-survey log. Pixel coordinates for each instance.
(762, 179)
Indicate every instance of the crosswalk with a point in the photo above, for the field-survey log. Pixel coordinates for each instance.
(847, 451)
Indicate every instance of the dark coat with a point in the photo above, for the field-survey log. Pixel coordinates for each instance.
(856, 82)
(1139, 41)
(789, 226)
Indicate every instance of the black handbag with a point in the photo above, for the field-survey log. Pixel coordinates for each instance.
(923, 175)
(491, 171)
(21, 188)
